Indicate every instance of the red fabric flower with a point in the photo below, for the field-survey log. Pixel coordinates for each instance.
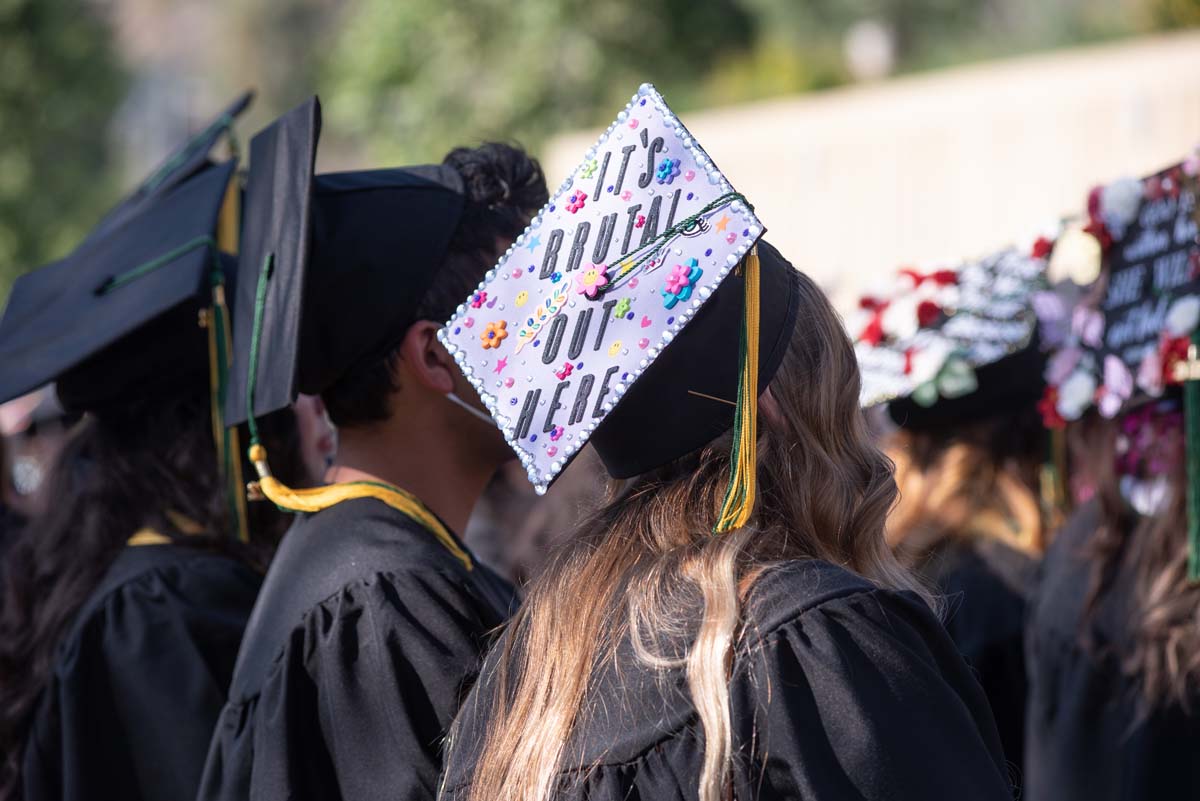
(939, 277)
(928, 313)
(1048, 408)
(1154, 188)
(1099, 230)
(872, 334)
(1042, 248)
(1172, 351)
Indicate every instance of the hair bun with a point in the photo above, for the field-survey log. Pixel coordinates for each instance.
(498, 174)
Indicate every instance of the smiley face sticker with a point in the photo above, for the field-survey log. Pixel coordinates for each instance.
(614, 348)
(521, 299)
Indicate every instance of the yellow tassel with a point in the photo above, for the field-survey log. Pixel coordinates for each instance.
(739, 498)
(318, 498)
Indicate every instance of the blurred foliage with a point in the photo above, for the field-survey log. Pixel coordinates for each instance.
(414, 78)
(410, 79)
(59, 85)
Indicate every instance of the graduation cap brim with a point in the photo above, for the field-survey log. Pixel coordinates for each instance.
(687, 397)
(276, 239)
(63, 315)
(183, 163)
(1005, 387)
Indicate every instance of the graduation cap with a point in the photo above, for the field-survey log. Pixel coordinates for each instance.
(333, 268)
(187, 160)
(118, 316)
(634, 312)
(950, 346)
(336, 264)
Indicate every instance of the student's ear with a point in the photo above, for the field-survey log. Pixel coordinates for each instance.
(426, 360)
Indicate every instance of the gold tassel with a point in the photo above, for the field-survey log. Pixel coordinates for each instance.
(318, 498)
(740, 496)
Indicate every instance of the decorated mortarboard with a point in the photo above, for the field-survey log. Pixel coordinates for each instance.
(185, 161)
(1125, 340)
(950, 345)
(634, 311)
(335, 264)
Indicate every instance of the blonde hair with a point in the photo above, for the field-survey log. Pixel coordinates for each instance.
(981, 480)
(654, 573)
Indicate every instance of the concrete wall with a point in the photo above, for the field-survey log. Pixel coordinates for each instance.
(853, 183)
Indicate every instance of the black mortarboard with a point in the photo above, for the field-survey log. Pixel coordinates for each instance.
(685, 399)
(350, 256)
(119, 316)
(192, 157)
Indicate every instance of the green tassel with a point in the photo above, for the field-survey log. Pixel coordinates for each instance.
(1191, 413)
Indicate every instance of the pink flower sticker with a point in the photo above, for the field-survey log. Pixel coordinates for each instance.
(590, 281)
(576, 201)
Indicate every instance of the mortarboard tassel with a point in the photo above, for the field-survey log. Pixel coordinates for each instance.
(314, 500)
(740, 496)
(1189, 373)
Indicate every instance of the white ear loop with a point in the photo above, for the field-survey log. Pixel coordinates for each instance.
(487, 418)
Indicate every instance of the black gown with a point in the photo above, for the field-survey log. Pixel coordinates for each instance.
(986, 586)
(366, 635)
(1088, 737)
(839, 691)
(140, 678)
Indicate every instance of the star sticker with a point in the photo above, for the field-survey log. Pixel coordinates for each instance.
(721, 223)
(501, 364)
(534, 242)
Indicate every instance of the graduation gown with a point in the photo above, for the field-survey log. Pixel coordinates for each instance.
(986, 585)
(140, 678)
(366, 634)
(1088, 736)
(839, 690)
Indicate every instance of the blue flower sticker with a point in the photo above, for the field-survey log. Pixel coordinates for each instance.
(680, 282)
(668, 171)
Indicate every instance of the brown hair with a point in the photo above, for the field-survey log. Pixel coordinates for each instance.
(977, 480)
(655, 569)
(1163, 612)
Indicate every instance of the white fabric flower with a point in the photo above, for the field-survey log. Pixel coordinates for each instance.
(900, 317)
(1183, 316)
(1120, 201)
(1076, 394)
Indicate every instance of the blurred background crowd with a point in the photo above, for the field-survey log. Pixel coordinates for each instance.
(872, 133)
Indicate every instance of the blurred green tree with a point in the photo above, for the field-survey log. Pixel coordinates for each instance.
(412, 79)
(59, 83)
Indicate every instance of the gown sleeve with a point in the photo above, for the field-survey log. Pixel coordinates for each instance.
(864, 697)
(360, 700)
(136, 690)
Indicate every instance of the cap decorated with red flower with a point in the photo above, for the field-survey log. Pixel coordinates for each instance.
(630, 313)
(946, 345)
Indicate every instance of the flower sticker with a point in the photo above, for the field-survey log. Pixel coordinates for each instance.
(555, 277)
(556, 434)
(493, 334)
(592, 280)
(566, 371)
(668, 171)
(478, 299)
(680, 282)
(576, 201)
(589, 169)
(622, 308)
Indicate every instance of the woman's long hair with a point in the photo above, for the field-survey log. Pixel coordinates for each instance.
(654, 570)
(977, 480)
(1161, 616)
(150, 464)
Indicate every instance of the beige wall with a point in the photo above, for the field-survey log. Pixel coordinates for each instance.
(853, 183)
